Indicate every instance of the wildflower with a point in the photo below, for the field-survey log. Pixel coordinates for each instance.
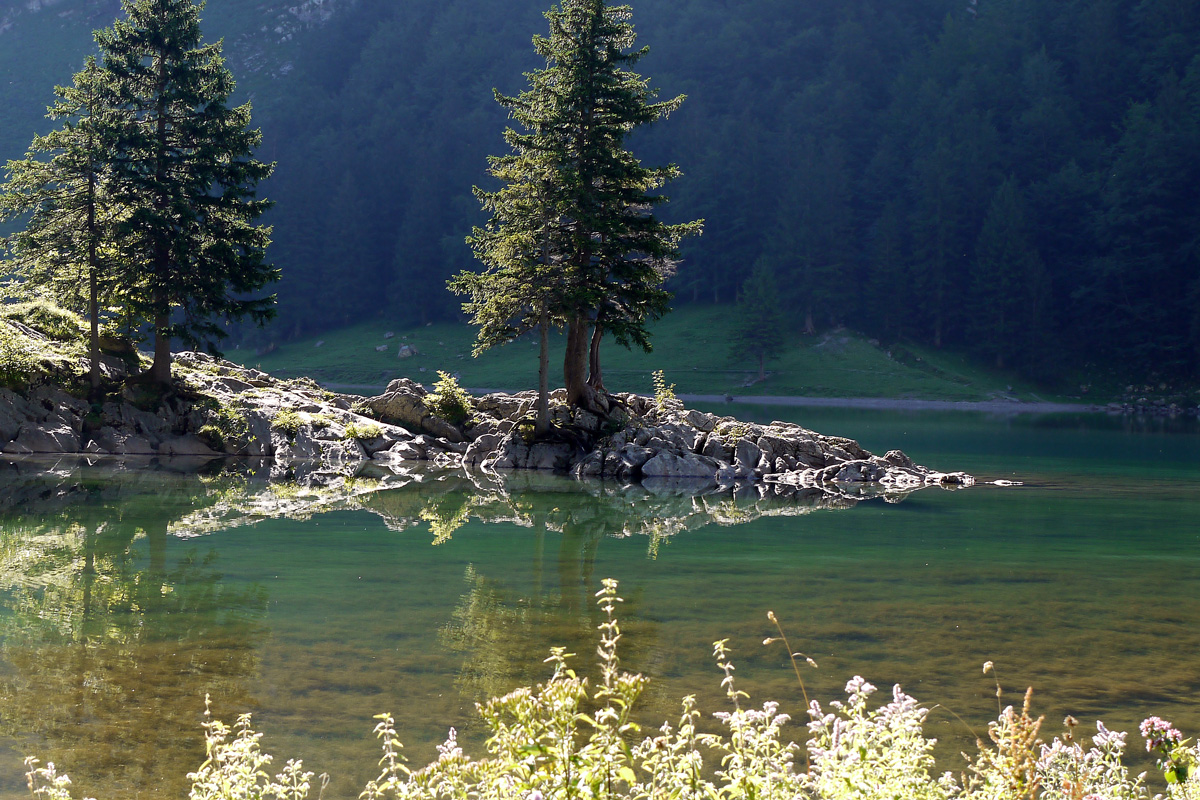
(1158, 732)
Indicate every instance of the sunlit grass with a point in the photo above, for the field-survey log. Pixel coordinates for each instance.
(692, 346)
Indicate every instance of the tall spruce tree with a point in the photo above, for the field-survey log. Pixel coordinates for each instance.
(183, 163)
(573, 241)
(66, 249)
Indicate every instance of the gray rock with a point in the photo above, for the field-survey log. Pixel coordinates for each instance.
(685, 465)
(483, 448)
(550, 456)
(634, 457)
(121, 442)
(46, 437)
(593, 466)
(15, 410)
(700, 421)
(404, 451)
(184, 446)
(858, 471)
(897, 458)
(586, 420)
(747, 455)
(403, 404)
(714, 446)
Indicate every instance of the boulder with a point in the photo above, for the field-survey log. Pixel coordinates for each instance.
(699, 420)
(53, 436)
(121, 442)
(403, 404)
(679, 465)
(184, 446)
(714, 446)
(15, 410)
(747, 455)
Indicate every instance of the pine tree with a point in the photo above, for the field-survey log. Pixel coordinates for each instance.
(67, 241)
(183, 163)
(1009, 291)
(759, 329)
(573, 241)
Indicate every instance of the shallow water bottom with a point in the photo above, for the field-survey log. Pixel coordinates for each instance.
(1082, 583)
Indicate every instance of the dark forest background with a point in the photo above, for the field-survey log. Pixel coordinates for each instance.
(1018, 179)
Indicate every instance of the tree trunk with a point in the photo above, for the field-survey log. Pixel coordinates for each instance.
(595, 376)
(542, 426)
(94, 338)
(93, 291)
(809, 327)
(762, 366)
(575, 364)
(160, 370)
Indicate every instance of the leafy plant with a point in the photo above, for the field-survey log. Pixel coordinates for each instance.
(18, 360)
(226, 425)
(567, 738)
(363, 431)
(288, 421)
(449, 401)
(664, 394)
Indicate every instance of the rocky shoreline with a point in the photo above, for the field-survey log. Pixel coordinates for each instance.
(219, 409)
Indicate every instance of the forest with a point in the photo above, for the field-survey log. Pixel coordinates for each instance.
(1010, 178)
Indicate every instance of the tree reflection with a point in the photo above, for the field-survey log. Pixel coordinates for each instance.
(112, 633)
(115, 619)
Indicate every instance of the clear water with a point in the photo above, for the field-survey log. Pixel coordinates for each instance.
(114, 623)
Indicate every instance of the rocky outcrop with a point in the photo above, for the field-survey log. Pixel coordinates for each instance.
(303, 431)
(644, 441)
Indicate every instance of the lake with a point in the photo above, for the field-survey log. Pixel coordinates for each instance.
(126, 596)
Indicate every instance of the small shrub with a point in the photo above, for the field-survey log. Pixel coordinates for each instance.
(568, 738)
(664, 394)
(289, 422)
(363, 431)
(227, 425)
(449, 401)
(18, 360)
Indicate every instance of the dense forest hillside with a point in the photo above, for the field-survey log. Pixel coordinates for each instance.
(1014, 178)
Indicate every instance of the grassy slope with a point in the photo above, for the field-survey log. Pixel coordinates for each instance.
(691, 346)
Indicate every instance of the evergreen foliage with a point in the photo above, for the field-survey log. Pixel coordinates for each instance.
(146, 195)
(760, 328)
(573, 241)
(67, 249)
(857, 147)
(182, 164)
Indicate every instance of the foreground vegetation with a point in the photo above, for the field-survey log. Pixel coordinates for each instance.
(566, 739)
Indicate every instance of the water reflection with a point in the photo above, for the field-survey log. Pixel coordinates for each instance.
(117, 616)
(109, 634)
(127, 594)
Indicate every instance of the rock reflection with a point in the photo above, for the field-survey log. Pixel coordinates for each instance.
(115, 618)
(110, 634)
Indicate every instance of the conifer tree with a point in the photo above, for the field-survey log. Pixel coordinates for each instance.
(1009, 290)
(522, 288)
(67, 242)
(183, 164)
(759, 329)
(573, 241)
(618, 254)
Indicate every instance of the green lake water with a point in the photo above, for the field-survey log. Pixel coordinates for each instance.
(125, 597)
